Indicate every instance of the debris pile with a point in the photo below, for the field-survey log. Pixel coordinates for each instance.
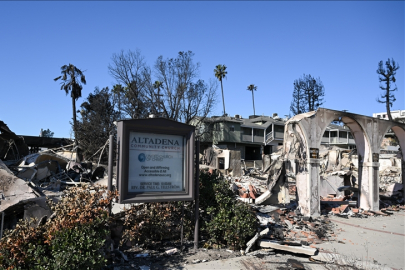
(26, 183)
(273, 190)
(286, 230)
(276, 183)
(390, 181)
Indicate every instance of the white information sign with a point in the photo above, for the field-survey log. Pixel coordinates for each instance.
(156, 162)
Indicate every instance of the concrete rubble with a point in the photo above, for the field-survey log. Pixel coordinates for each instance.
(276, 184)
(271, 189)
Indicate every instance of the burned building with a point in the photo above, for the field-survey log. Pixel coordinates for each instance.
(260, 135)
(252, 137)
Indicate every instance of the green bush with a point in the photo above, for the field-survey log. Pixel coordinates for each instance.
(149, 222)
(24, 248)
(79, 246)
(231, 222)
(72, 239)
(224, 221)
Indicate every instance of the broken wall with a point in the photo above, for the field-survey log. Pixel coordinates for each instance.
(296, 157)
(13, 189)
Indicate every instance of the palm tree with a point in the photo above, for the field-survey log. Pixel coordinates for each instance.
(252, 88)
(220, 73)
(72, 80)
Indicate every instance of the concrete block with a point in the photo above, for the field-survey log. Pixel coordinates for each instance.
(235, 163)
(262, 198)
(294, 249)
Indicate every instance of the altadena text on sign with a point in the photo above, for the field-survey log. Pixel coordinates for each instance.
(156, 162)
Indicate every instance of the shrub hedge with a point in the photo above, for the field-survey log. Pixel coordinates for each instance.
(74, 236)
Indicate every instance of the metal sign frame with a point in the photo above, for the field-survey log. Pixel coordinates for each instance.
(156, 127)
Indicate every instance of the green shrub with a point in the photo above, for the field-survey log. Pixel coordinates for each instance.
(223, 220)
(72, 239)
(79, 246)
(150, 222)
(23, 247)
(231, 222)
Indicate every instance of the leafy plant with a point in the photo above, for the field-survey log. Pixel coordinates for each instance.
(72, 238)
(80, 246)
(232, 222)
(224, 220)
(146, 223)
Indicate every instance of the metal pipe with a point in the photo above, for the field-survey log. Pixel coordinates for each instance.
(197, 194)
(182, 225)
(2, 223)
(110, 161)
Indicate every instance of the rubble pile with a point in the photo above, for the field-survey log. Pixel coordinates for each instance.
(276, 184)
(49, 172)
(248, 188)
(271, 192)
(286, 230)
(26, 183)
(390, 181)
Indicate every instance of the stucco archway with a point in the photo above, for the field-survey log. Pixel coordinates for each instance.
(307, 129)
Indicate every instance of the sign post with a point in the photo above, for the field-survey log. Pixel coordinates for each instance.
(156, 161)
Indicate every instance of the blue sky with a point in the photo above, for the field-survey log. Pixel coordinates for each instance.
(269, 44)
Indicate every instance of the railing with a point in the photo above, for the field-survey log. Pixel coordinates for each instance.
(246, 138)
(325, 140)
(258, 139)
(269, 137)
(338, 140)
(279, 135)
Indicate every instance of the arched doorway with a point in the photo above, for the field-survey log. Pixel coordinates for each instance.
(302, 140)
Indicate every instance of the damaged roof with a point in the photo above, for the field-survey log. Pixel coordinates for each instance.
(6, 133)
(265, 122)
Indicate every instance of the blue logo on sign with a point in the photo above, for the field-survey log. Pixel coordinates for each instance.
(142, 157)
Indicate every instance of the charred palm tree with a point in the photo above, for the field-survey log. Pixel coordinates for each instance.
(72, 79)
(220, 73)
(252, 88)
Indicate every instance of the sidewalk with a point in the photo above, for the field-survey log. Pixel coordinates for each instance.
(374, 238)
(370, 243)
(286, 261)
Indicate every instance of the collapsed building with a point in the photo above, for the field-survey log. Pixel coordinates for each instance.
(361, 175)
(26, 180)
